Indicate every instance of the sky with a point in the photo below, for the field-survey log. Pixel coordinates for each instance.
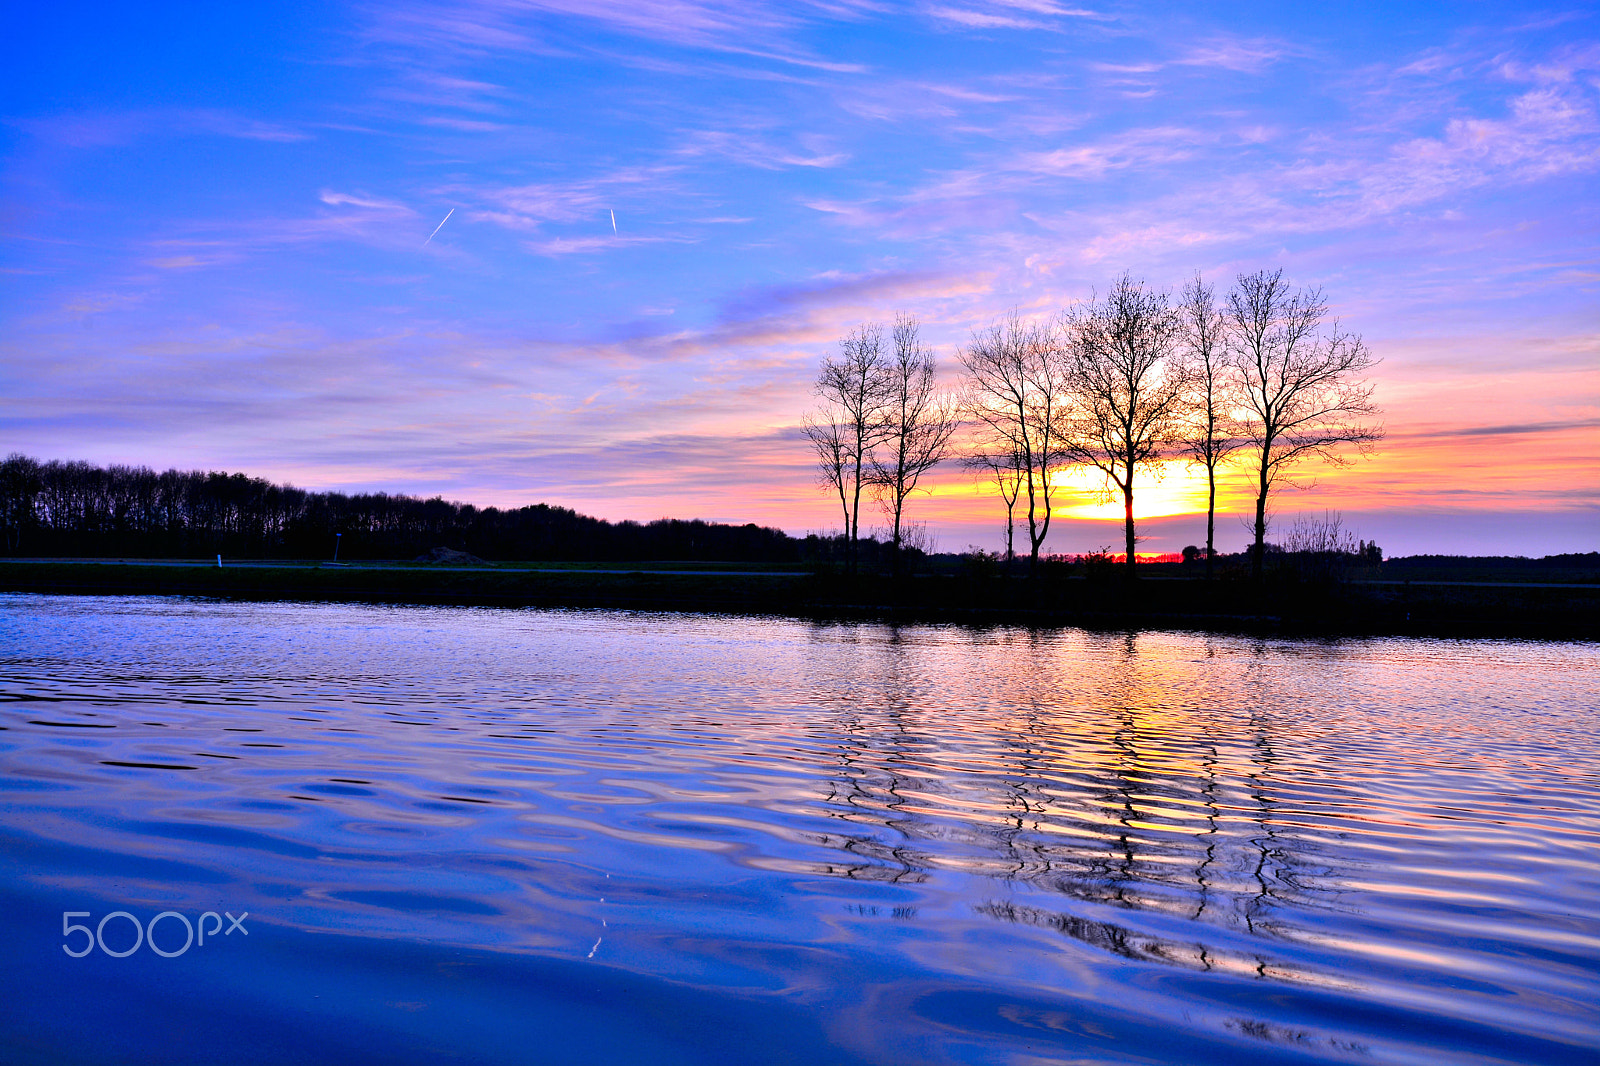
(659, 216)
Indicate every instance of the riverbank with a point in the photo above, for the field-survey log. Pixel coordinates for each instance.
(1484, 609)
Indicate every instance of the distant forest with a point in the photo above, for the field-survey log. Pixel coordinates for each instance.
(64, 509)
(1569, 560)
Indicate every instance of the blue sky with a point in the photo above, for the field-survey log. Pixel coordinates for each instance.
(215, 236)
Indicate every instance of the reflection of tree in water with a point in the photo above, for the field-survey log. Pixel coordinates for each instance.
(1265, 842)
(866, 789)
(1129, 795)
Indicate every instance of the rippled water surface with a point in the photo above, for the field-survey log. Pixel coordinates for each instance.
(507, 836)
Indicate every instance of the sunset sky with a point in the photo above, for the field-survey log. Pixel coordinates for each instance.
(215, 253)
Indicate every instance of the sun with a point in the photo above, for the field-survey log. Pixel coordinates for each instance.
(1174, 490)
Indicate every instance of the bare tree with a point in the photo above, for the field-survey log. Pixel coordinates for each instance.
(833, 456)
(852, 422)
(1300, 387)
(918, 425)
(1127, 391)
(1209, 433)
(1320, 550)
(1014, 394)
(1005, 469)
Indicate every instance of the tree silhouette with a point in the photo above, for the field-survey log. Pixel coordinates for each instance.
(1300, 387)
(1209, 433)
(918, 425)
(854, 387)
(1126, 391)
(1015, 395)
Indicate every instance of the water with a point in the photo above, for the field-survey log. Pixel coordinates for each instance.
(504, 836)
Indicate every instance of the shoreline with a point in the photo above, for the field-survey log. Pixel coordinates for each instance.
(1423, 608)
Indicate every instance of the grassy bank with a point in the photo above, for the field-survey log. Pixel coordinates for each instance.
(1456, 609)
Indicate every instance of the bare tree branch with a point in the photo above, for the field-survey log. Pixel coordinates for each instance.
(854, 387)
(918, 425)
(1210, 430)
(1126, 390)
(1014, 391)
(1300, 388)
(1005, 469)
(833, 457)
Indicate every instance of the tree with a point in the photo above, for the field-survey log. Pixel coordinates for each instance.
(1319, 550)
(918, 425)
(852, 422)
(828, 439)
(1209, 433)
(1126, 389)
(1005, 468)
(19, 490)
(1300, 387)
(1014, 394)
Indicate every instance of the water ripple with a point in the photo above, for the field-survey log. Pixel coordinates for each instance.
(924, 843)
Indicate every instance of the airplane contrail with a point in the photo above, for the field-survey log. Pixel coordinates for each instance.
(440, 226)
(613, 222)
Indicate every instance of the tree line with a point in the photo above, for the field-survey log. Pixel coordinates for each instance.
(60, 509)
(1118, 386)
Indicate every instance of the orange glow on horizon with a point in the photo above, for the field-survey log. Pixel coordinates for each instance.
(1443, 455)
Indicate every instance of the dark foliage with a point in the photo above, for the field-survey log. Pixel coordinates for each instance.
(834, 553)
(65, 509)
(1569, 561)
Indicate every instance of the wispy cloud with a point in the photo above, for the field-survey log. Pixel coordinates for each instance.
(198, 259)
(753, 29)
(751, 148)
(527, 207)
(1521, 429)
(787, 319)
(571, 245)
(961, 198)
(108, 129)
(986, 20)
(1010, 15)
(341, 199)
(1548, 131)
(435, 89)
(1244, 56)
(1142, 148)
(900, 100)
(345, 217)
(1329, 185)
(465, 125)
